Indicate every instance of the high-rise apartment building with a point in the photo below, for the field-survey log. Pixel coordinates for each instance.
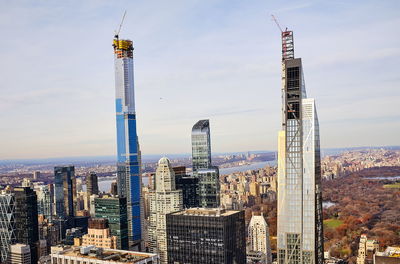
(7, 224)
(164, 199)
(65, 195)
(188, 184)
(92, 187)
(45, 206)
(20, 254)
(366, 250)
(129, 162)
(114, 209)
(208, 189)
(201, 145)
(200, 235)
(26, 219)
(300, 236)
(99, 234)
(258, 236)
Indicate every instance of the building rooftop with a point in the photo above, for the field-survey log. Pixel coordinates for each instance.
(92, 252)
(213, 212)
(200, 125)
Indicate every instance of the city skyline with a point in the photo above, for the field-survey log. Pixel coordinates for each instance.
(173, 43)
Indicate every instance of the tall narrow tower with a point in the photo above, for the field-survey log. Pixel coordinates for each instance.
(164, 199)
(201, 145)
(208, 190)
(300, 236)
(65, 191)
(128, 166)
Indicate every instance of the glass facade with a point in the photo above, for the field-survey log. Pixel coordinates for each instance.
(26, 219)
(128, 167)
(115, 211)
(300, 238)
(201, 145)
(188, 185)
(208, 187)
(65, 191)
(7, 225)
(45, 206)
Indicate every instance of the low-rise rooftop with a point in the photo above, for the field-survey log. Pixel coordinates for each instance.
(108, 255)
(213, 212)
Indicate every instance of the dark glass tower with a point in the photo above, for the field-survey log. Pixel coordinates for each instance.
(115, 211)
(188, 184)
(26, 219)
(128, 167)
(200, 236)
(65, 191)
(92, 186)
(300, 235)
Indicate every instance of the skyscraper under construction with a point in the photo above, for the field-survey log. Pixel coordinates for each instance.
(128, 166)
(300, 236)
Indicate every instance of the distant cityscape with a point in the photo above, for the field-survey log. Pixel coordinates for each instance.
(296, 205)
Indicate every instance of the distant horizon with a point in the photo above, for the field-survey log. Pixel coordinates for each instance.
(148, 156)
(216, 60)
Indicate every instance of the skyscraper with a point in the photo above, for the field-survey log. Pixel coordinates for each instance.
(200, 235)
(114, 210)
(92, 187)
(258, 235)
(188, 184)
(7, 224)
(128, 166)
(300, 236)
(26, 219)
(201, 145)
(45, 206)
(65, 191)
(164, 199)
(208, 189)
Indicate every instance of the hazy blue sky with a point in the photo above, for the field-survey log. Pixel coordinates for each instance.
(205, 59)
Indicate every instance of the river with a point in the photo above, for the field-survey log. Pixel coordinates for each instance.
(105, 186)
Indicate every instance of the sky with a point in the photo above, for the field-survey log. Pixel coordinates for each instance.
(217, 60)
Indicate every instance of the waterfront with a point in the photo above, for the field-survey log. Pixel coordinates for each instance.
(104, 186)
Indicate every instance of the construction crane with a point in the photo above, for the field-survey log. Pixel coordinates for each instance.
(287, 41)
(276, 22)
(120, 26)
